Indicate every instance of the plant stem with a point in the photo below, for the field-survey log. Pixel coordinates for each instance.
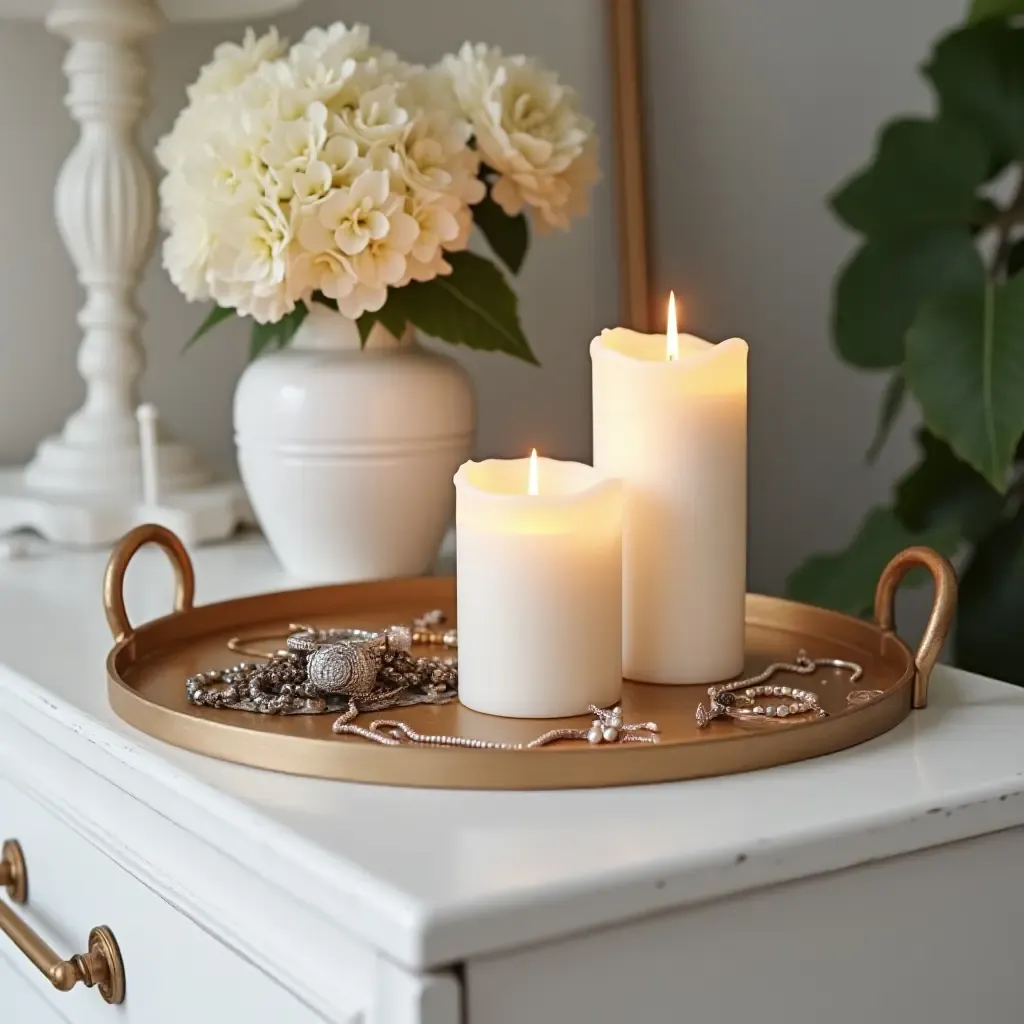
(1007, 220)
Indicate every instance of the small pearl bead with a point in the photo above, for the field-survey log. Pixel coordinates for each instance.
(783, 711)
(594, 735)
(610, 733)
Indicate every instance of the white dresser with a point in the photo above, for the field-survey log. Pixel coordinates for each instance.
(882, 884)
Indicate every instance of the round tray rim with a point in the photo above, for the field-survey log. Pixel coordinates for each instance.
(556, 767)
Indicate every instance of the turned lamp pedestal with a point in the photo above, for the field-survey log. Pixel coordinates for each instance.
(84, 484)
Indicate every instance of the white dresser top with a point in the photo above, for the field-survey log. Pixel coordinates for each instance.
(429, 878)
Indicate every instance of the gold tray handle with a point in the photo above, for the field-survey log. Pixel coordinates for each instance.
(940, 620)
(113, 581)
(101, 967)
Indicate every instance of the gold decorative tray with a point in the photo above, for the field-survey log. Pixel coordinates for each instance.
(147, 669)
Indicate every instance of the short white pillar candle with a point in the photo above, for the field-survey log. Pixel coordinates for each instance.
(670, 419)
(539, 588)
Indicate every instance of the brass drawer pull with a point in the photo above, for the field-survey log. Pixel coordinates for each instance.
(101, 966)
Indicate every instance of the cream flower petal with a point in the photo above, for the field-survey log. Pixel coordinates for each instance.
(351, 238)
(377, 225)
(313, 235)
(402, 235)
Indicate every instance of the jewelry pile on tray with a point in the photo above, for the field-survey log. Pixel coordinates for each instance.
(355, 671)
(323, 670)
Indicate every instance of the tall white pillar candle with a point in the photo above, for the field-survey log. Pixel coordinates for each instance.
(539, 588)
(671, 421)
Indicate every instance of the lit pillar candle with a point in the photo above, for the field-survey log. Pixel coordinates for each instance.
(670, 419)
(539, 559)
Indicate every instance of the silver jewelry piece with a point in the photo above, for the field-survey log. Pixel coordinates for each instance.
(608, 727)
(724, 700)
(332, 670)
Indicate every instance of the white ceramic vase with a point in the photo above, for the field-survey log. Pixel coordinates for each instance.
(348, 453)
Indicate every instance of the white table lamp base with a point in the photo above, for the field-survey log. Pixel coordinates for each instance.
(210, 512)
(84, 485)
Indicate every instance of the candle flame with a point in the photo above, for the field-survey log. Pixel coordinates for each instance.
(532, 486)
(672, 334)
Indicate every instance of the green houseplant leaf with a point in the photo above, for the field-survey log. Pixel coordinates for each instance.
(846, 580)
(989, 635)
(472, 306)
(508, 237)
(983, 9)
(880, 290)
(978, 73)
(892, 402)
(965, 365)
(1015, 259)
(943, 489)
(924, 175)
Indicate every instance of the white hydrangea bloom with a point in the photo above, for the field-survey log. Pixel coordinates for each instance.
(233, 62)
(529, 129)
(293, 146)
(326, 271)
(438, 229)
(334, 45)
(248, 261)
(336, 168)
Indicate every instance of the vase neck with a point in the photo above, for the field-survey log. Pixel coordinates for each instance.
(328, 330)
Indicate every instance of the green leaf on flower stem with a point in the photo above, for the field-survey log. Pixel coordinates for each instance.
(943, 489)
(507, 236)
(214, 317)
(391, 315)
(892, 402)
(983, 9)
(978, 73)
(925, 174)
(278, 334)
(881, 289)
(965, 365)
(472, 306)
(989, 637)
(364, 325)
(325, 300)
(846, 580)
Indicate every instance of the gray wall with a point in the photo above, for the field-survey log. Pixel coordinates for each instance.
(757, 110)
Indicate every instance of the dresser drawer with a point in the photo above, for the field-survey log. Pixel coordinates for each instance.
(174, 970)
(20, 1003)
